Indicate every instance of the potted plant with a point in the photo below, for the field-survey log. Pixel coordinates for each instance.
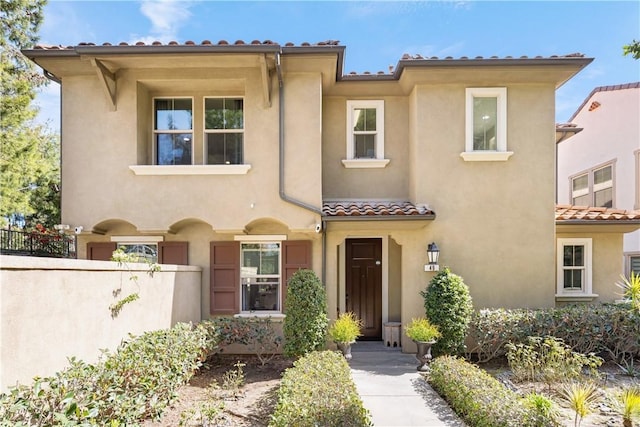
(424, 334)
(344, 332)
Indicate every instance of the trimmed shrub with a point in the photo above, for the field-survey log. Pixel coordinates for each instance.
(477, 397)
(611, 331)
(305, 327)
(137, 382)
(257, 333)
(448, 305)
(318, 391)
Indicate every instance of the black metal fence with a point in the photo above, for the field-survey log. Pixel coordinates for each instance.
(33, 243)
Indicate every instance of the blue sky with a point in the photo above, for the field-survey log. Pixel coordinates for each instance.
(376, 33)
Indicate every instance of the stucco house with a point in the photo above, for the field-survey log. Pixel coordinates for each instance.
(253, 160)
(599, 165)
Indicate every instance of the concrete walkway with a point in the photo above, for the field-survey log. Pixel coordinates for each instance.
(394, 392)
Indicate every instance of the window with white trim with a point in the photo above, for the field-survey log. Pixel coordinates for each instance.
(224, 131)
(486, 124)
(632, 263)
(574, 267)
(260, 277)
(593, 187)
(365, 134)
(173, 131)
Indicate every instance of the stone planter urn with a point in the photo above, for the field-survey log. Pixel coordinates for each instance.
(345, 348)
(424, 354)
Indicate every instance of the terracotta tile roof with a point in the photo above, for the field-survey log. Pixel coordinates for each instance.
(192, 43)
(591, 214)
(391, 73)
(386, 209)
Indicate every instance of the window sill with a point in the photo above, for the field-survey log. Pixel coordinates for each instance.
(190, 169)
(365, 163)
(486, 156)
(576, 297)
(277, 317)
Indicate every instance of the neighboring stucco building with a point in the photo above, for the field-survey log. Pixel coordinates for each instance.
(254, 160)
(600, 165)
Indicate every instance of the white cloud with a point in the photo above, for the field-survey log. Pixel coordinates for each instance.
(166, 16)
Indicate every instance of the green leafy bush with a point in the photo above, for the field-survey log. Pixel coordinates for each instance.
(477, 397)
(318, 391)
(257, 333)
(549, 360)
(420, 329)
(448, 305)
(543, 412)
(136, 382)
(305, 326)
(346, 328)
(611, 331)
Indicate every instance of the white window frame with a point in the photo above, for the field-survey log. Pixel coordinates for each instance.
(155, 131)
(627, 262)
(261, 313)
(571, 294)
(591, 190)
(501, 153)
(206, 131)
(379, 161)
(192, 169)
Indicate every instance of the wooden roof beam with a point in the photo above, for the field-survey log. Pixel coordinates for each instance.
(108, 80)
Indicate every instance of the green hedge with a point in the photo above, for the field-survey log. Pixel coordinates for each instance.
(610, 330)
(477, 397)
(318, 391)
(136, 382)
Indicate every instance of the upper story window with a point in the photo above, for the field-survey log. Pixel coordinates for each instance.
(173, 131)
(260, 276)
(217, 150)
(593, 187)
(486, 124)
(365, 134)
(224, 130)
(574, 267)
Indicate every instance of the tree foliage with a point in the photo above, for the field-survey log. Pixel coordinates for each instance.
(632, 49)
(29, 153)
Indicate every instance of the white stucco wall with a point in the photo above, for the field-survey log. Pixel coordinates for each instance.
(610, 134)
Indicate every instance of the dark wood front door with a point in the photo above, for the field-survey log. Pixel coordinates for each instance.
(364, 284)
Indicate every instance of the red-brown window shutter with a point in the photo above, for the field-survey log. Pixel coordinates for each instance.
(224, 278)
(173, 253)
(100, 251)
(296, 255)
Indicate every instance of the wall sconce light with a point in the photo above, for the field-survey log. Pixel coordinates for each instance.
(433, 253)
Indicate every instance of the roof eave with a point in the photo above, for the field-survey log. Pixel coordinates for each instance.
(428, 217)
